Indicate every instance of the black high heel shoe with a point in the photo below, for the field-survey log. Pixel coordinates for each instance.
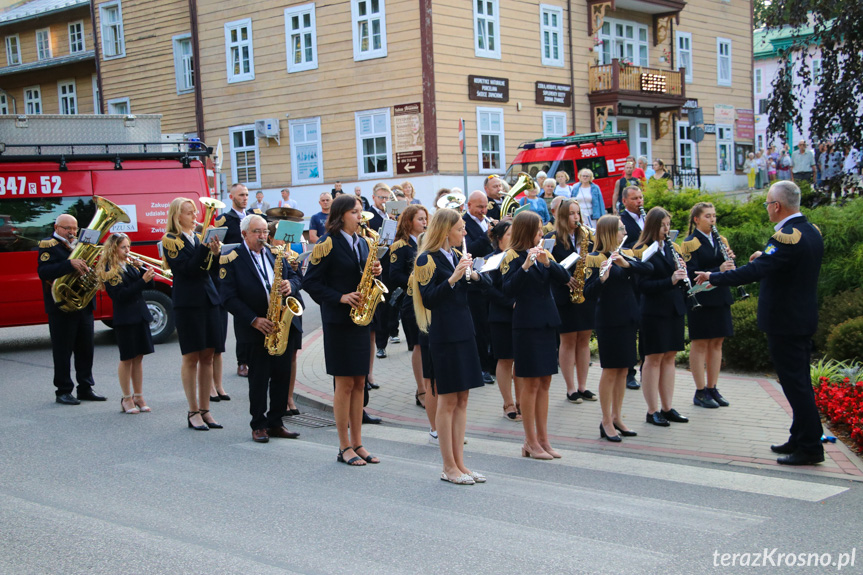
(625, 433)
(611, 438)
(210, 424)
(189, 416)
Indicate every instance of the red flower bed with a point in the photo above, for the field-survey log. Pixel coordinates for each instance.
(841, 402)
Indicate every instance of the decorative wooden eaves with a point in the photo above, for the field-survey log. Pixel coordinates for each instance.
(662, 26)
(600, 116)
(596, 11)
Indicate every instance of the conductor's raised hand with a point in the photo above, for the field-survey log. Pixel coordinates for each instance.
(702, 277)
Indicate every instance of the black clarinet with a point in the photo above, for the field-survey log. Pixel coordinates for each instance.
(741, 291)
(686, 284)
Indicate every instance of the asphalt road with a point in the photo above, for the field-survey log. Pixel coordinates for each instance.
(86, 489)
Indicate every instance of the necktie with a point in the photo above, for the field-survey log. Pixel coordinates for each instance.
(262, 270)
(357, 249)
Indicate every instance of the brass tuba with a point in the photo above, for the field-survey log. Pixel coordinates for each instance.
(73, 292)
(509, 203)
(281, 311)
(372, 289)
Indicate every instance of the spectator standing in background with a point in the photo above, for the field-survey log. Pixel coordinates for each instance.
(286, 201)
(803, 166)
(318, 222)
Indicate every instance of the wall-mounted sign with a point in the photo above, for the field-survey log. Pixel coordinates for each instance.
(689, 105)
(548, 94)
(487, 89)
(410, 139)
(709, 128)
(653, 83)
(723, 114)
(634, 111)
(745, 124)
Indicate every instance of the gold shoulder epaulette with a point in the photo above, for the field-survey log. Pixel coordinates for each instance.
(630, 253)
(256, 211)
(172, 244)
(321, 250)
(48, 243)
(595, 260)
(395, 247)
(548, 229)
(456, 252)
(220, 222)
(786, 238)
(817, 229)
(228, 258)
(424, 272)
(692, 245)
(637, 252)
(677, 248)
(551, 257)
(504, 264)
(111, 276)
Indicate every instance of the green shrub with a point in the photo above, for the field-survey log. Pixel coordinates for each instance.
(826, 368)
(845, 341)
(747, 349)
(836, 309)
(842, 266)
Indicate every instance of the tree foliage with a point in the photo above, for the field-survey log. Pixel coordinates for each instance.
(835, 26)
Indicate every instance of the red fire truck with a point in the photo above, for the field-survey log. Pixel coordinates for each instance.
(605, 155)
(43, 176)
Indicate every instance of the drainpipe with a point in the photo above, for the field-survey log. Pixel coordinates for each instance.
(571, 61)
(196, 53)
(96, 40)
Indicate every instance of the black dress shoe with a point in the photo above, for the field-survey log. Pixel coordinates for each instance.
(632, 384)
(656, 418)
(801, 458)
(67, 399)
(611, 438)
(369, 419)
(373, 385)
(784, 449)
(224, 397)
(294, 411)
(625, 433)
(704, 399)
(672, 415)
(215, 398)
(714, 393)
(487, 378)
(89, 395)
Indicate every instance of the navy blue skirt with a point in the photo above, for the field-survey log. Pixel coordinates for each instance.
(223, 313)
(617, 346)
(710, 322)
(501, 339)
(199, 328)
(534, 352)
(661, 334)
(456, 366)
(346, 349)
(577, 317)
(133, 340)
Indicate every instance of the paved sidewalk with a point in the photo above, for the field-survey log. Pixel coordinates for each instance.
(737, 435)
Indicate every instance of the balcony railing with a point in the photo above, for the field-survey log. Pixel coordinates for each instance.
(619, 77)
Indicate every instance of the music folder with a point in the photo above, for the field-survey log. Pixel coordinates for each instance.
(492, 263)
(570, 260)
(215, 232)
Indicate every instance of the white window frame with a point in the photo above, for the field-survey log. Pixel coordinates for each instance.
(759, 141)
(612, 40)
(112, 104)
(684, 55)
(727, 141)
(33, 101)
(556, 117)
(120, 39)
(481, 22)
(758, 80)
(44, 49)
(256, 148)
(369, 20)
(238, 25)
(635, 125)
(720, 80)
(681, 141)
(74, 48)
(358, 117)
(184, 64)
(480, 110)
(70, 99)
(296, 143)
(4, 104)
(309, 33)
(551, 37)
(816, 70)
(97, 96)
(10, 60)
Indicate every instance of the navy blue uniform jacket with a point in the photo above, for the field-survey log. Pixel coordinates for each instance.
(126, 292)
(617, 302)
(660, 297)
(334, 271)
(788, 271)
(244, 294)
(499, 304)
(193, 286)
(700, 256)
(478, 243)
(450, 315)
(54, 263)
(534, 302)
(559, 253)
(633, 232)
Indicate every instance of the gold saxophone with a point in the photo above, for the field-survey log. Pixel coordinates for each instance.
(281, 311)
(577, 295)
(372, 289)
(73, 291)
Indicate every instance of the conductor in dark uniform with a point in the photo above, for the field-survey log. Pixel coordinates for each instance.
(788, 269)
(71, 332)
(479, 244)
(248, 274)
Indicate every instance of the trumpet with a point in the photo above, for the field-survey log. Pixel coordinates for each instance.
(141, 262)
(606, 265)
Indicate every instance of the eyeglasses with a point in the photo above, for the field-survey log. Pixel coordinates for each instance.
(768, 203)
(260, 232)
(70, 228)
(382, 197)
